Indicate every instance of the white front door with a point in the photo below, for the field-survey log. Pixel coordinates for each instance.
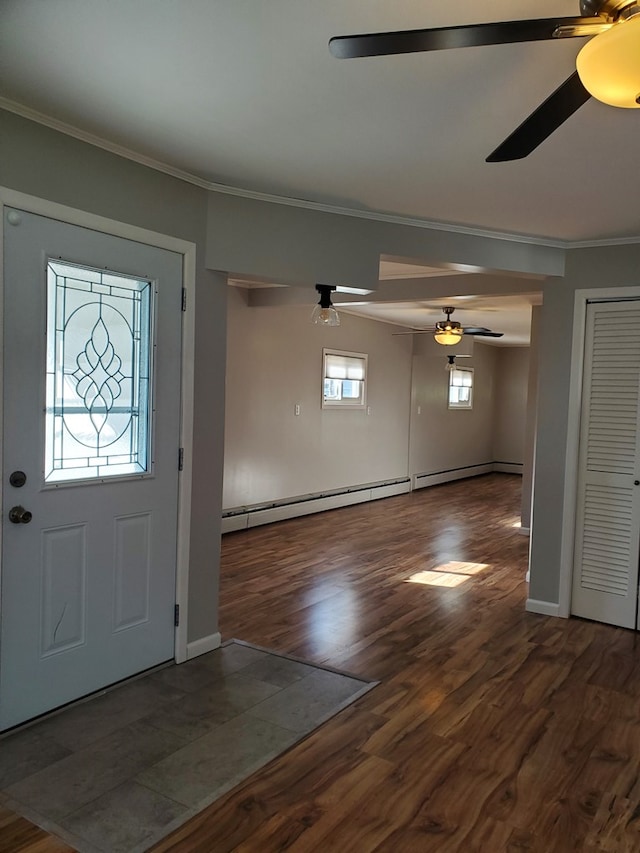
(92, 366)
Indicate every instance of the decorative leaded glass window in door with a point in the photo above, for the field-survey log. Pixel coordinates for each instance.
(99, 360)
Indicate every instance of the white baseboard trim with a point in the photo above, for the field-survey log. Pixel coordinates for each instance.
(545, 608)
(204, 645)
(525, 531)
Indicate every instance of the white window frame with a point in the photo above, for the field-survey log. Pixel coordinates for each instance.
(70, 472)
(346, 402)
(460, 404)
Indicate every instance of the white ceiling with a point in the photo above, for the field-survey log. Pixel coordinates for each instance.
(245, 93)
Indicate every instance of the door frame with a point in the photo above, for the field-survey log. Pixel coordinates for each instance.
(570, 501)
(72, 216)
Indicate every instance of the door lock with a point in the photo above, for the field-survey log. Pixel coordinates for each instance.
(19, 515)
(18, 479)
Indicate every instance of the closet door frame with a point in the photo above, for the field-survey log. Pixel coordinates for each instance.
(582, 297)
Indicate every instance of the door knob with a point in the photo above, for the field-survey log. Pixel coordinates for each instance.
(19, 515)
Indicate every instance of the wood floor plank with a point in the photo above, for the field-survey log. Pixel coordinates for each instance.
(491, 716)
(18, 835)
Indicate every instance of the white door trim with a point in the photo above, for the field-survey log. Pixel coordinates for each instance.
(52, 210)
(570, 502)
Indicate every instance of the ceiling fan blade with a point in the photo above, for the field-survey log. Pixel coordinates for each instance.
(414, 332)
(483, 333)
(444, 38)
(474, 330)
(563, 103)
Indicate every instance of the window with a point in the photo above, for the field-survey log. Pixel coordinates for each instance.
(344, 375)
(99, 353)
(461, 388)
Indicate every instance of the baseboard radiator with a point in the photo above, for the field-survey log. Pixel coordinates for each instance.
(448, 475)
(241, 518)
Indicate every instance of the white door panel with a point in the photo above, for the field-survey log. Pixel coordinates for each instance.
(88, 585)
(605, 578)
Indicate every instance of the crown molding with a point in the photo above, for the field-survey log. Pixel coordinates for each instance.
(598, 244)
(393, 219)
(100, 142)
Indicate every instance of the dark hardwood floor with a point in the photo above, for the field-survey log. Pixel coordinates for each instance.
(17, 835)
(491, 730)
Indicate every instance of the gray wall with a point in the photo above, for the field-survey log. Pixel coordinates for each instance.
(512, 380)
(297, 245)
(50, 165)
(605, 267)
(529, 450)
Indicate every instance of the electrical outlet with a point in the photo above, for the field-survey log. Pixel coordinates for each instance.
(419, 410)
(296, 409)
(368, 410)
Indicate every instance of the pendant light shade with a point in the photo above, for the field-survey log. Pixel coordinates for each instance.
(324, 314)
(448, 336)
(609, 65)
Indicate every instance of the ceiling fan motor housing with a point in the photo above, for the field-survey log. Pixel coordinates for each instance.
(609, 9)
(448, 324)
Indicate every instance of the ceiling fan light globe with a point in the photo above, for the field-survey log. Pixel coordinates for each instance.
(609, 65)
(448, 337)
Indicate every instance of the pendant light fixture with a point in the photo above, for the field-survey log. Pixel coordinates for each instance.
(448, 332)
(324, 314)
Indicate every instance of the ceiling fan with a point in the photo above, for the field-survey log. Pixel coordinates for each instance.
(608, 66)
(449, 332)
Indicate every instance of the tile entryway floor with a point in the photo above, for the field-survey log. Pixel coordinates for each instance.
(116, 773)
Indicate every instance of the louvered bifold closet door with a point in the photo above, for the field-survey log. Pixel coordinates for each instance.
(605, 576)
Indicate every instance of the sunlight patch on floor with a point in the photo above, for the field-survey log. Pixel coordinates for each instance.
(449, 574)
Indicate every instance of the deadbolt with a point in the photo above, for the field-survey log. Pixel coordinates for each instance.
(19, 515)
(18, 479)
